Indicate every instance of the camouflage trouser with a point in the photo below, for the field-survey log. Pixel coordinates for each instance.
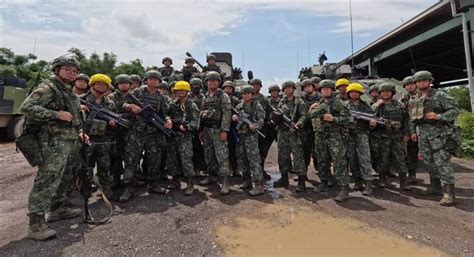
(232, 155)
(100, 155)
(308, 148)
(116, 155)
(374, 142)
(137, 142)
(436, 157)
(290, 145)
(392, 146)
(58, 159)
(180, 153)
(358, 154)
(249, 157)
(68, 181)
(412, 157)
(216, 152)
(331, 147)
(198, 154)
(264, 144)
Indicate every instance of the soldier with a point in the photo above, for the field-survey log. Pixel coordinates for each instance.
(374, 94)
(329, 117)
(341, 86)
(271, 133)
(122, 83)
(358, 141)
(228, 88)
(290, 146)
(136, 82)
(189, 70)
(211, 65)
(316, 80)
(412, 146)
(247, 149)
(81, 84)
(309, 97)
(214, 126)
(274, 91)
(196, 96)
(145, 137)
(185, 116)
(100, 132)
(262, 142)
(53, 107)
(434, 120)
(166, 71)
(393, 135)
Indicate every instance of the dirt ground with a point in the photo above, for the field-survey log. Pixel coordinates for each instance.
(175, 225)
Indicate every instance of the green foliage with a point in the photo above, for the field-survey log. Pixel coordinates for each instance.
(461, 94)
(466, 122)
(23, 66)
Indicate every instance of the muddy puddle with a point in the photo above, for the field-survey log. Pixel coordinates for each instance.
(279, 230)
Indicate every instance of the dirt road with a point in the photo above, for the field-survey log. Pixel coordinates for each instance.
(175, 225)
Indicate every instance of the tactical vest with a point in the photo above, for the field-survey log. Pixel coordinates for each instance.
(251, 113)
(394, 112)
(157, 101)
(98, 127)
(211, 109)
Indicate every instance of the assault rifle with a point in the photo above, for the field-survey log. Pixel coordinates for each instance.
(102, 113)
(244, 119)
(278, 117)
(368, 116)
(151, 116)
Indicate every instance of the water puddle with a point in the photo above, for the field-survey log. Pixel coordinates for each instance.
(279, 230)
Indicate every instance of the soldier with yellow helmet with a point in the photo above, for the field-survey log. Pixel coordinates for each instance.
(341, 87)
(185, 116)
(358, 152)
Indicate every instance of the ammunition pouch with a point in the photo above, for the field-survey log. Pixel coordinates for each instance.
(96, 127)
(28, 144)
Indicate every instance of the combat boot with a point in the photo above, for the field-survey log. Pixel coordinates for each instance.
(155, 188)
(38, 230)
(383, 183)
(208, 180)
(257, 189)
(174, 183)
(435, 188)
(358, 184)
(126, 194)
(301, 184)
(266, 176)
(247, 183)
(62, 213)
(189, 186)
(225, 186)
(282, 182)
(368, 190)
(412, 179)
(322, 187)
(403, 182)
(343, 194)
(449, 198)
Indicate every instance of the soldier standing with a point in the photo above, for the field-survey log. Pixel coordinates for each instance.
(290, 146)
(434, 121)
(145, 137)
(393, 135)
(166, 71)
(412, 146)
(211, 65)
(309, 97)
(185, 116)
(53, 110)
(189, 71)
(228, 88)
(214, 126)
(358, 141)
(196, 96)
(263, 142)
(329, 118)
(271, 133)
(247, 149)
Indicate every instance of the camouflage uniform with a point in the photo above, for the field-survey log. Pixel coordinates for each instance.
(308, 142)
(264, 144)
(215, 118)
(59, 147)
(199, 162)
(435, 137)
(145, 137)
(391, 137)
(100, 153)
(412, 147)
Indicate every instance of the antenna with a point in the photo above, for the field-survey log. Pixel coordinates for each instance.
(352, 35)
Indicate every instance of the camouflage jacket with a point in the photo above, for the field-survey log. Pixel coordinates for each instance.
(98, 127)
(212, 68)
(216, 111)
(405, 99)
(438, 102)
(264, 102)
(358, 126)
(295, 109)
(309, 100)
(166, 71)
(254, 112)
(274, 103)
(336, 108)
(397, 114)
(196, 98)
(186, 114)
(118, 99)
(42, 107)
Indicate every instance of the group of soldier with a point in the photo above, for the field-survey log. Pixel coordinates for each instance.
(202, 118)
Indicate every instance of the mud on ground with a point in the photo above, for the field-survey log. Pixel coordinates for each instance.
(175, 225)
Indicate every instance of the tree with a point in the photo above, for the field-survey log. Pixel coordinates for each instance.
(461, 94)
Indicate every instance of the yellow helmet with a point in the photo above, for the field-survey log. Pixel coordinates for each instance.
(355, 87)
(101, 78)
(342, 81)
(182, 85)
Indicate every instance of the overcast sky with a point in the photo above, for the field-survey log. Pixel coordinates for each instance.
(273, 38)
